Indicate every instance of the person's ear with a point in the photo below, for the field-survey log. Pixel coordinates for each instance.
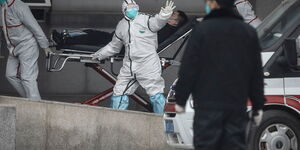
(216, 5)
(176, 23)
(213, 4)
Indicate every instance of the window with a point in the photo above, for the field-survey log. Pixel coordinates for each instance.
(39, 8)
(38, 3)
(286, 21)
(298, 45)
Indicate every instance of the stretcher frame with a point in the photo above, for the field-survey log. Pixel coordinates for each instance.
(58, 59)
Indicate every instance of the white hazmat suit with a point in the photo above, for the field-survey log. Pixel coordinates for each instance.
(141, 64)
(244, 7)
(22, 34)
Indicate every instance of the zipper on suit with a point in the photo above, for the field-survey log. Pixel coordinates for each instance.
(6, 28)
(129, 48)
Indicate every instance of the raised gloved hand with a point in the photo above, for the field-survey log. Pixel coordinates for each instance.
(256, 116)
(179, 109)
(47, 51)
(167, 11)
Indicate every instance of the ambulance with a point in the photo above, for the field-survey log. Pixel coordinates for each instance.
(279, 36)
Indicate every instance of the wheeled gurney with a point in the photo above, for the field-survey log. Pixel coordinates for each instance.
(82, 53)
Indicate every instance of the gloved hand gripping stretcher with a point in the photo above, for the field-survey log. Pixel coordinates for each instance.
(167, 50)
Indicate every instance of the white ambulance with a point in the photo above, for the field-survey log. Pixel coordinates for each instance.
(280, 129)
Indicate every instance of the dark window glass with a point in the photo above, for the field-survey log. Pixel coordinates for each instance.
(285, 22)
(34, 1)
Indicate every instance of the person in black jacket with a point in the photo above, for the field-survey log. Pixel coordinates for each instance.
(222, 69)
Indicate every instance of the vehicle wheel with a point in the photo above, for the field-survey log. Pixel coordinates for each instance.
(278, 131)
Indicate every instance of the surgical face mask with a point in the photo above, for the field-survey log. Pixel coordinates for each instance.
(2, 1)
(207, 9)
(131, 13)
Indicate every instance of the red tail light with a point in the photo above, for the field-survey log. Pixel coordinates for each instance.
(170, 108)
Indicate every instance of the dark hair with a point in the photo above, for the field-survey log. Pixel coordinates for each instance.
(226, 3)
(183, 19)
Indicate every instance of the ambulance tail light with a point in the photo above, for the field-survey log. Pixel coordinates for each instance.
(170, 108)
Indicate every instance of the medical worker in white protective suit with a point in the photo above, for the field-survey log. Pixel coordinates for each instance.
(22, 34)
(141, 64)
(245, 9)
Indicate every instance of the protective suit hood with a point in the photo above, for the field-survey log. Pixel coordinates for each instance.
(124, 6)
(9, 2)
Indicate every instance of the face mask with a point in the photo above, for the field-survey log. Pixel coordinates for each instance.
(207, 9)
(131, 13)
(2, 1)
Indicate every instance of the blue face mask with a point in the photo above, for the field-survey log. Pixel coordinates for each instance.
(131, 13)
(207, 9)
(2, 1)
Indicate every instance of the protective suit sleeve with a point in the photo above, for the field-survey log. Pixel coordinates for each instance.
(155, 23)
(159, 21)
(188, 73)
(30, 22)
(256, 93)
(112, 48)
(246, 11)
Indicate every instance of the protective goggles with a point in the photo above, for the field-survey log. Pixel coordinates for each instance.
(132, 6)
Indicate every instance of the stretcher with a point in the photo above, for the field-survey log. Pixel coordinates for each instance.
(82, 54)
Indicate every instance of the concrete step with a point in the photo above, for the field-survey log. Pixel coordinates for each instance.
(47, 125)
(7, 127)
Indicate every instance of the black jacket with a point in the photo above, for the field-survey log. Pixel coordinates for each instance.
(221, 66)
